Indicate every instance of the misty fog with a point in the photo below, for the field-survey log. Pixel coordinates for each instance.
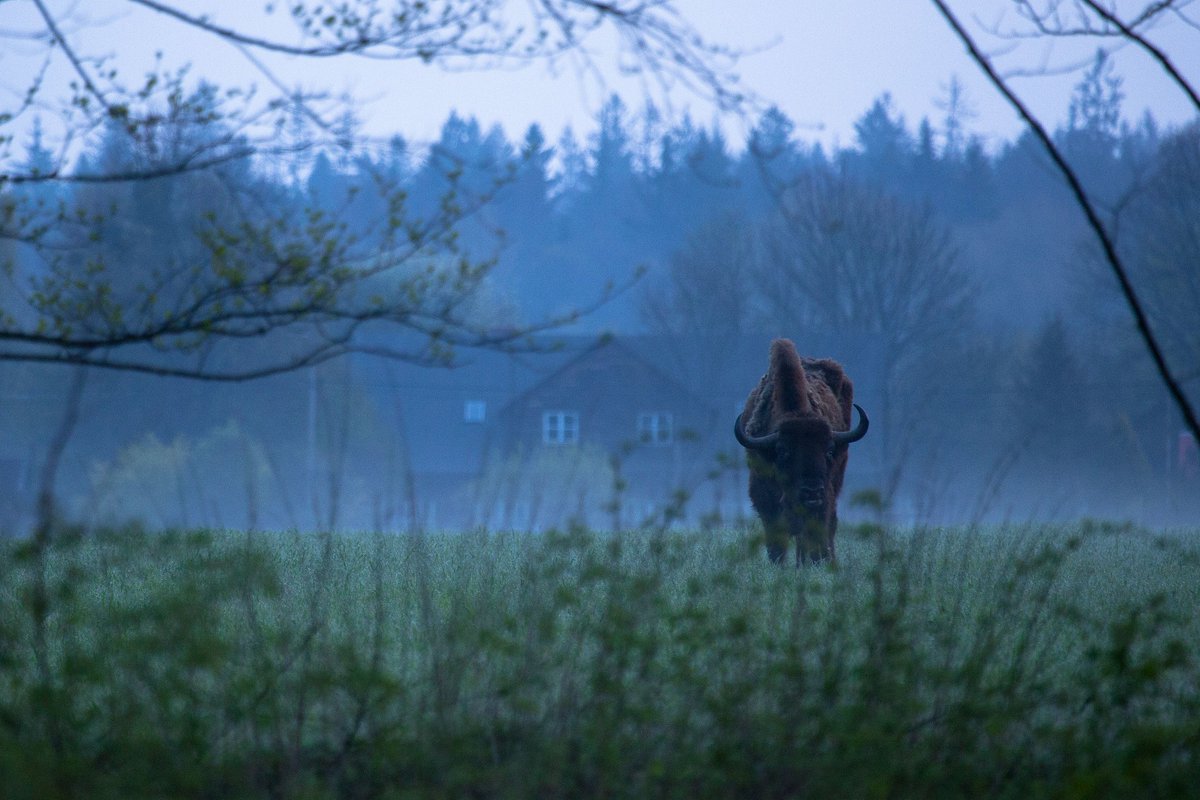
(956, 282)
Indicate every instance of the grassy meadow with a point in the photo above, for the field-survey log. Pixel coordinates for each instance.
(1011, 661)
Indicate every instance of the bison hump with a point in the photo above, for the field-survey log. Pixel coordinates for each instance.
(790, 392)
(829, 391)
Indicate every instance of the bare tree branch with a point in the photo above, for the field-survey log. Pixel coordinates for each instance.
(59, 40)
(249, 272)
(1127, 30)
(1093, 218)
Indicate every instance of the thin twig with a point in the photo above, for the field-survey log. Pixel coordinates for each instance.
(1155, 52)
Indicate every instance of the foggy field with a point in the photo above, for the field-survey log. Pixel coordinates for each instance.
(1008, 661)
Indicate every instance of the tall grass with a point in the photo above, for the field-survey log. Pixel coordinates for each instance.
(1001, 662)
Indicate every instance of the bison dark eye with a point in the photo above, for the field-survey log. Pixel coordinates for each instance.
(829, 456)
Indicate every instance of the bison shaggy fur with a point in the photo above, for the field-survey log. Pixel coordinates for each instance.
(796, 429)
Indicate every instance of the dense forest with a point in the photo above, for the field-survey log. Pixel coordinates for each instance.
(1011, 373)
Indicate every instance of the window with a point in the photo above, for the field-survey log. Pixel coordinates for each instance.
(474, 411)
(655, 427)
(560, 427)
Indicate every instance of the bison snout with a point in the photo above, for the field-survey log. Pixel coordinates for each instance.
(811, 497)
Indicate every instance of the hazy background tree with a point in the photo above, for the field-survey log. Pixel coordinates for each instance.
(706, 299)
(1050, 417)
(846, 257)
(1160, 235)
(1098, 92)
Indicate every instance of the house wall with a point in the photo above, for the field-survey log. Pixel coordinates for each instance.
(608, 388)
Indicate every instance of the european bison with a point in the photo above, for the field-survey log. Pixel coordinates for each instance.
(797, 436)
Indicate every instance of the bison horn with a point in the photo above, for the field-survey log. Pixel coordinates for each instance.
(847, 437)
(753, 442)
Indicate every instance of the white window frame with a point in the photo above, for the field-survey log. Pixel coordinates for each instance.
(475, 411)
(560, 427)
(655, 428)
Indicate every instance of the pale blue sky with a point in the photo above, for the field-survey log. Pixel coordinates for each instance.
(822, 63)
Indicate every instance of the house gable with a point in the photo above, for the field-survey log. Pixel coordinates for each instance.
(611, 390)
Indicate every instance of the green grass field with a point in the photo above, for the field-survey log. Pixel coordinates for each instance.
(1000, 662)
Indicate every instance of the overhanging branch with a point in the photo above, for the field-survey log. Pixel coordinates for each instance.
(1093, 218)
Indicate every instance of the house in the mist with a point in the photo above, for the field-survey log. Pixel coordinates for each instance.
(437, 425)
(14, 489)
(530, 440)
(608, 437)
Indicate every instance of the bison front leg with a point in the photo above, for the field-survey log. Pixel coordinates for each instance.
(765, 496)
(815, 543)
(830, 533)
(777, 539)
(813, 553)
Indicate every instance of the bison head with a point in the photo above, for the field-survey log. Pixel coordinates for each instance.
(803, 454)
